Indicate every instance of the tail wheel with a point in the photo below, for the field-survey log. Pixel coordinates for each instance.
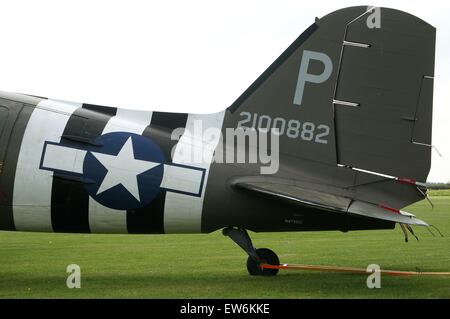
(266, 256)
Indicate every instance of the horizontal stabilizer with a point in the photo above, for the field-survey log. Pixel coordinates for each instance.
(287, 191)
(380, 212)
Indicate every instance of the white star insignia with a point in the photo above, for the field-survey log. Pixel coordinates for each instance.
(123, 169)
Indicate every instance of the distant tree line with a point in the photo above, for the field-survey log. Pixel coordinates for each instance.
(438, 185)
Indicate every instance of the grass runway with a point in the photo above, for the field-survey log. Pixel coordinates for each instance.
(33, 265)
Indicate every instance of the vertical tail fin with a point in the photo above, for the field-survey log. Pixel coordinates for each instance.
(354, 89)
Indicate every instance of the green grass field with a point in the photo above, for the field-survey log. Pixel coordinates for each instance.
(33, 265)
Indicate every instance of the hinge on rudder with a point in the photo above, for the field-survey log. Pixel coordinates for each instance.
(1, 167)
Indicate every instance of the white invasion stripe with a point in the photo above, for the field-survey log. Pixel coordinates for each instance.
(103, 219)
(128, 121)
(33, 186)
(182, 179)
(63, 158)
(183, 213)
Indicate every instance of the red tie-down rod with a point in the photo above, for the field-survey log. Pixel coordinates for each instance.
(352, 270)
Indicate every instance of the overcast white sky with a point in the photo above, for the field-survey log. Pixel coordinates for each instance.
(192, 56)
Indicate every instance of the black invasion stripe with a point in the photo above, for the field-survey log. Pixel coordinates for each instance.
(19, 115)
(70, 201)
(150, 219)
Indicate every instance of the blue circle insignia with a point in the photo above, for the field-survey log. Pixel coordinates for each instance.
(123, 170)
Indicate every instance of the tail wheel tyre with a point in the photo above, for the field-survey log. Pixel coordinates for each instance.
(266, 256)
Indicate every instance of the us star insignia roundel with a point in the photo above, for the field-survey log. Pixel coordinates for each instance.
(126, 172)
(122, 170)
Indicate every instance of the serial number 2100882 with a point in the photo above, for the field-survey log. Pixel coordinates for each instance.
(306, 131)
